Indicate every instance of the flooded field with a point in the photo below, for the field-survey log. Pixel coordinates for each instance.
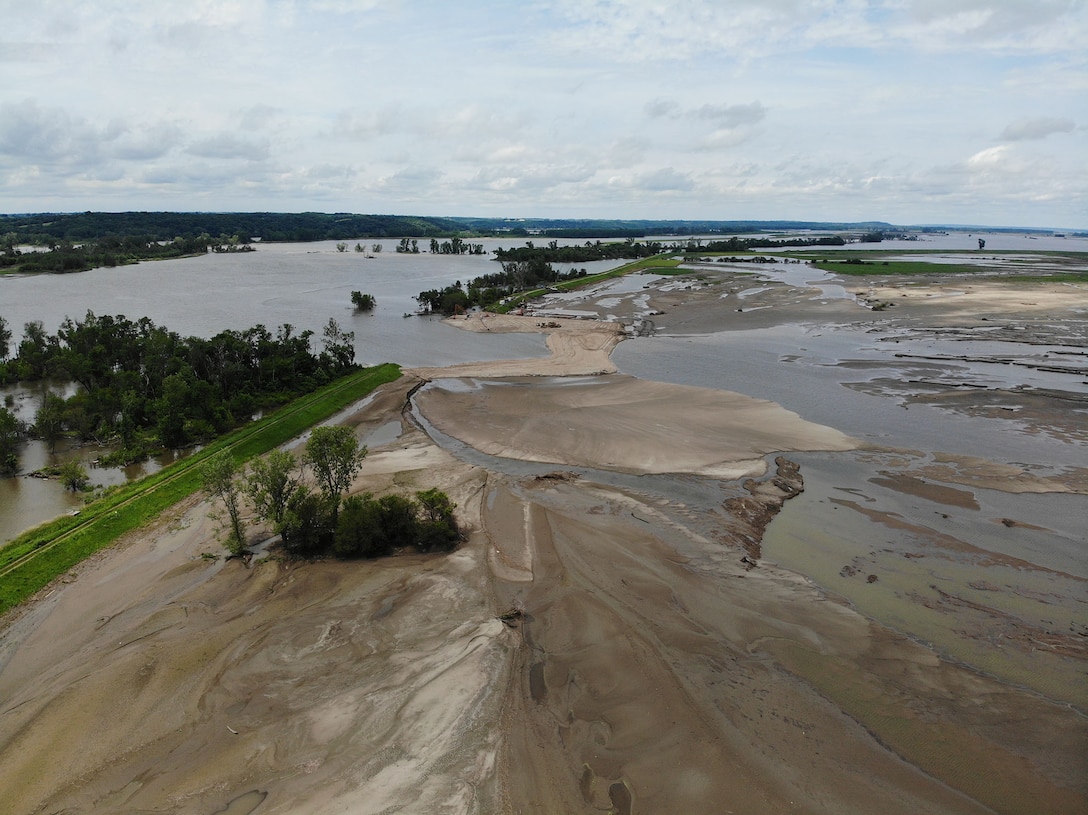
(794, 555)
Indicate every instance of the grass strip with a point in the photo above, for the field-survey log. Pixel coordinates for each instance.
(56, 546)
(899, 267)
(664, 263)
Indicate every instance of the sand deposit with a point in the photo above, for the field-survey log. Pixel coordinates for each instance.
(595, 645)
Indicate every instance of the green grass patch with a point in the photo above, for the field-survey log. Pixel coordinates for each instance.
(899, 267)
(1045, 277)
(657, 264)
(64, 542)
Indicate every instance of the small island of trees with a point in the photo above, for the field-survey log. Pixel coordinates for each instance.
(311, 515)
(363, 302)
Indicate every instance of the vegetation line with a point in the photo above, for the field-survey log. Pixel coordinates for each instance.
(665, 263)
(35, 558)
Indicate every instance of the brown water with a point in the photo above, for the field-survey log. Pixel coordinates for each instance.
(301, 284)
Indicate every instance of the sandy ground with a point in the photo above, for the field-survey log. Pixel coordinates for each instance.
(649, 661)
(578, 347)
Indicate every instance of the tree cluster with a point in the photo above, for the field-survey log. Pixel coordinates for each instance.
(147, 387)
(39, 228)
(487, 290)
(310, 513)
(736, 244)
(455, 246)
(589, 251)
(61, 256)
(363, 302)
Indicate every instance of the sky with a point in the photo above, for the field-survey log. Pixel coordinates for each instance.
(907, 111)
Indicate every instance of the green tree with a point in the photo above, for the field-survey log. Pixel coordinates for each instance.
(270, 483)
(359, 529)
(339, 344)
(307, 523)
(10, 436)
(437, 527)
(49, 420)
(73, 476)
(5, 338)
(171, 409)
(334, 456)
(363, 302)
(435, 505)
(218, 477)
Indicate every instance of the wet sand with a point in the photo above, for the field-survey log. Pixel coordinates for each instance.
(647, 660)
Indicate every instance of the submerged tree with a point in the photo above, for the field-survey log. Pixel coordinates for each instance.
(363, 302)
(339, 345)
(5, 338)
(10, 435)
(73, 476)
(49, 420)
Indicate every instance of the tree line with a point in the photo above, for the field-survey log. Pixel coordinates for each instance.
(308, 510)
(39, 228)
(529, 267)
(146, 388)
(488, 290)
(60, 255)
(737, 244)
(589, 251)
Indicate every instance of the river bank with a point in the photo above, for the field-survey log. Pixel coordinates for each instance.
(611, 636)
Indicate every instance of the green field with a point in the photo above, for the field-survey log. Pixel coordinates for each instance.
(35, 558)
(1060, 266)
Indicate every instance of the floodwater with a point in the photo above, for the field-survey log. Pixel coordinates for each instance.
(906, 529)
(301, 284)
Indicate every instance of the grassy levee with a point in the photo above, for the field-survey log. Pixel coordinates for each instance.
(35, 558)
(661, 264)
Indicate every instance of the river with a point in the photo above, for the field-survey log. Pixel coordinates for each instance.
(303, 284)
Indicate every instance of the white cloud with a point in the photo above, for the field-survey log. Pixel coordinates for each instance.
(731, 116)
(228, 146)
(665, 179)
(924, 110)
(990, 157)
(1036, 128)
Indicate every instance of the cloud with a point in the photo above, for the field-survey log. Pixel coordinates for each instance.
(1037, 128)
(411, 181)
(665, 179)
(1022, 25)
(258, 117)
(731, 116)
(602, 107)
(529, 179)
(26, 51)
(659, 108)
(228, 146)
(648, 30)
(48, 134)
(988, 158)
(369, 124)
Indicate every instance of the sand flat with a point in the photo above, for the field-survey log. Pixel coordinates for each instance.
(624, 424)
(646, 664)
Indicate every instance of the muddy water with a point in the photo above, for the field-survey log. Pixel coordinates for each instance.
(301, 284)
(962, 525)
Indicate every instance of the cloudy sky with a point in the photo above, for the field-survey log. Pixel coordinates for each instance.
(910, 111)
